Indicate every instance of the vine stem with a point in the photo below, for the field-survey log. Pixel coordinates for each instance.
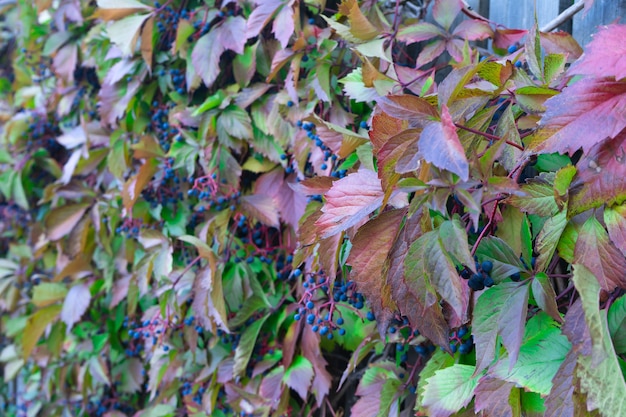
(488, 136)
(485, 229)
(187, 268)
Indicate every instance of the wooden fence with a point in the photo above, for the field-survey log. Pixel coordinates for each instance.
(519, 14)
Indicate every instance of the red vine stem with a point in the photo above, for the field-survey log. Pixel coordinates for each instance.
(187, 268)
(485, 229)
(488, 136)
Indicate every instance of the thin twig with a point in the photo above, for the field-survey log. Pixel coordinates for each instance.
(485, 229)
(488, 136)
(563, 17)
(192, 263)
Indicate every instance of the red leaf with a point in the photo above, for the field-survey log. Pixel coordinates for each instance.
(473, 30)
(507, 37)
(261, 207)
(419, 304)
(561, 43)
(328, 251)
(287, 196)
(383, 128)
(601, 177)
(605, 56)
(349, 200)
(492, 397)
(370, 248)
(419, 32)
(595, 251)
(135, 185)
(583, 115)
(322, 379)
(398, 148)
(439, 144)
(407, 107)
(315, 185)
(430, 52)
(560, 401)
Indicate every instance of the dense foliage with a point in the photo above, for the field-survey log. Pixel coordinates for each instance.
(308, 208)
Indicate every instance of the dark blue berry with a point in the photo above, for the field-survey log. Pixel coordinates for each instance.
(486, 266)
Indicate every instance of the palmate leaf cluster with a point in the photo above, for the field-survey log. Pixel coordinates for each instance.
(282, 208)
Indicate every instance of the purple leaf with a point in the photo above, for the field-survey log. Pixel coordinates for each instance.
(75, 305)
(439, 144)
(299, 376)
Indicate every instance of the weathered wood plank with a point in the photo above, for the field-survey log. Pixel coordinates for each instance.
(520, 14)
(603, 12)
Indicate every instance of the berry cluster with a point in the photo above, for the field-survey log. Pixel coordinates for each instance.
(159, 123)
(462, 341)
(329, 157)
(320, 310)
(42, 133)
(480, 279)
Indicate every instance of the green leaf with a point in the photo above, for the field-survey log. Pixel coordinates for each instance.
(533, 51)
(449, 390)
(116, 160)
(18, 193)
(589, 290)
(428, 268)
(617, 324)
(538, 196)
(545, 296)
(548, 239)
(439, 360)
(505, 261)
(453, 237)
(246, 346)
(299, 375)
(210, 103)
(615, 220)
(234, 121)
(203, 249)
(252, 305)
(510, 227)
(600, 374)
(499, 311)
(125, 32)
(540, 356)
(62, 220)
(551, 162)
(48, 293)
(36, 325)
(388, 395)
(553, 66)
